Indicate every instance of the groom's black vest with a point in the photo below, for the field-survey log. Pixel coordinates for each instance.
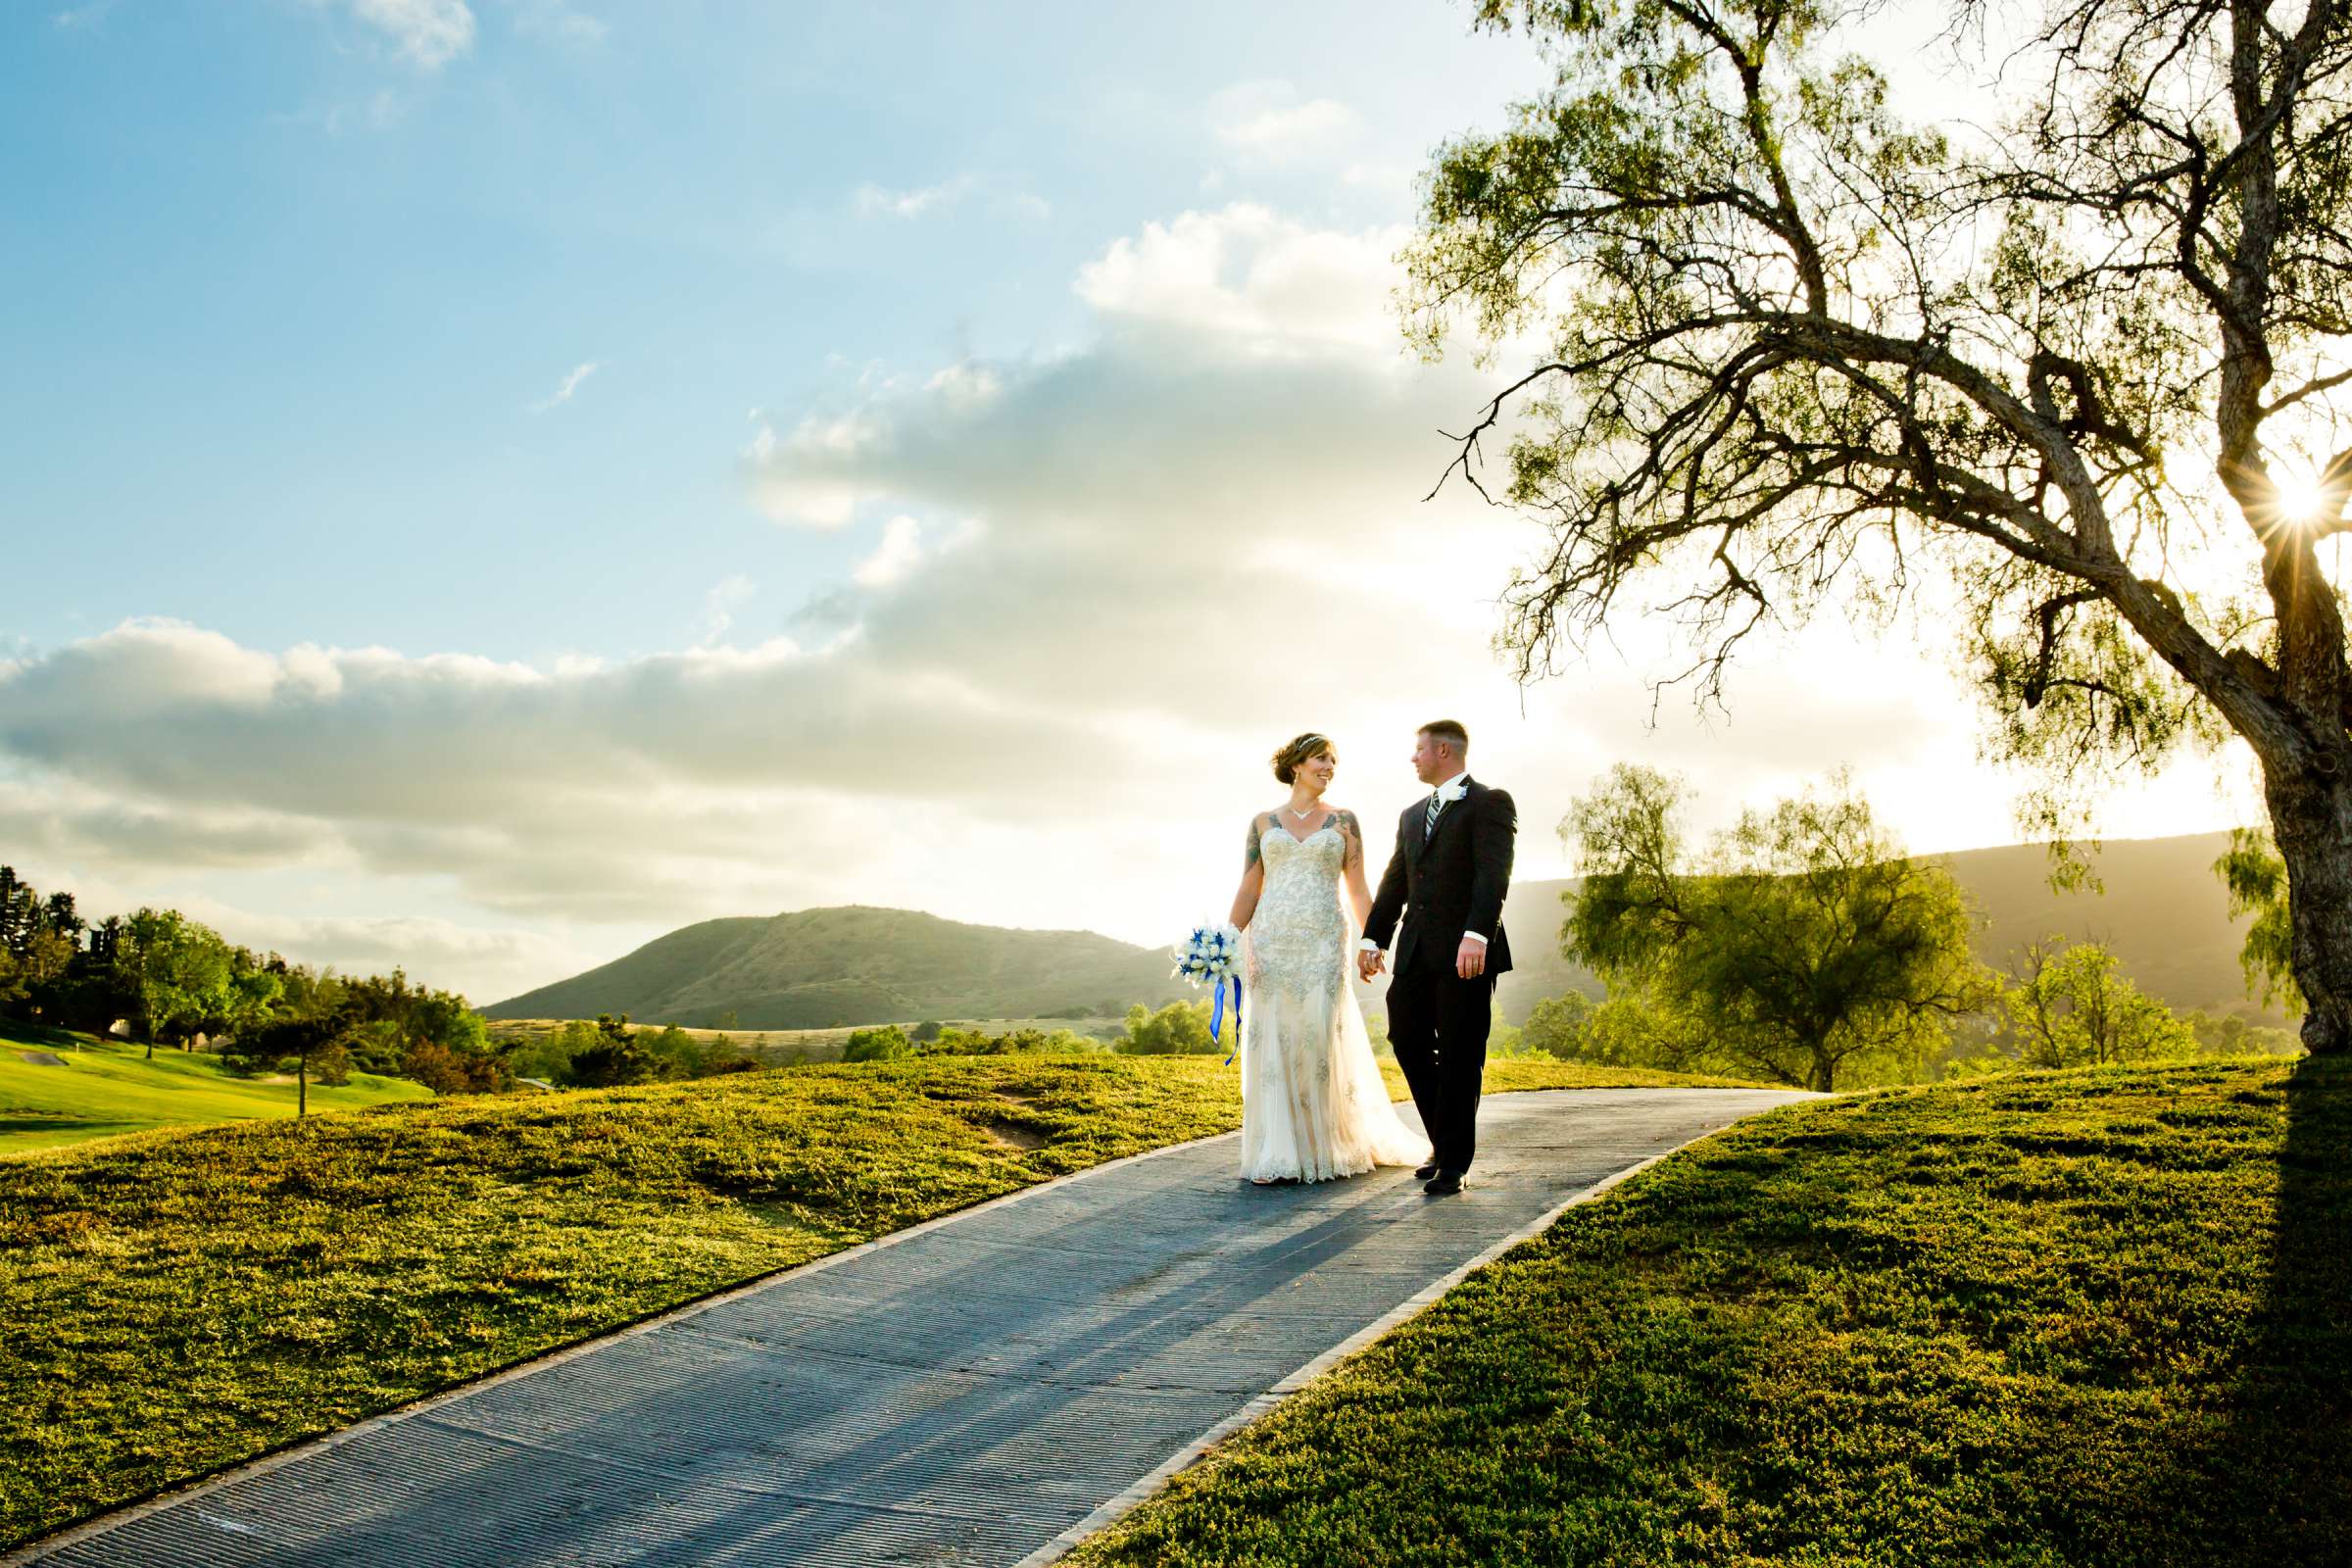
(1453, 882)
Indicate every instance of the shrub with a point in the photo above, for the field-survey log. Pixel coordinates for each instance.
(887, 1043)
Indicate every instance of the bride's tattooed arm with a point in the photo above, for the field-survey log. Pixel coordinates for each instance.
(1253, 874)
(1351, 865)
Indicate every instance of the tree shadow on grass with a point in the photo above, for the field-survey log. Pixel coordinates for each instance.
(2269, 1480)
(64, 1124)
(2289, 1439)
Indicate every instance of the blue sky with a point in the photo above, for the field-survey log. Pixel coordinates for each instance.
(494, 480)
(300, 291)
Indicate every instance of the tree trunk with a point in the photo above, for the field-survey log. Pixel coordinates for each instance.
(301, 1087)
(2310, 819)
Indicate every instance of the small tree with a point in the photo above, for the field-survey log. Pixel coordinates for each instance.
(1179, 1028)
(178, 970)
(1557, 1026)
(306, 1041)
(1805, 945)
(888, 1043)
(454, 1072)
(2075, 1007)
(615, 1058)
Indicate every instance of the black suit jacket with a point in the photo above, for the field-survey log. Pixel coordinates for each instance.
(1454, 882)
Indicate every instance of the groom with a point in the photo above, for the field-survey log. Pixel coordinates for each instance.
(1452, 867)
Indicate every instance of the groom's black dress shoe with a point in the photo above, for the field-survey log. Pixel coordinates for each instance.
(1424, 1172)
(1442, 1184)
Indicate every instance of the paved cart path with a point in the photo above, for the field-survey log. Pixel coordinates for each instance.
(982, 1388)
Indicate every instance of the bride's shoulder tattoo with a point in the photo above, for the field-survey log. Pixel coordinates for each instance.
(1257, 829)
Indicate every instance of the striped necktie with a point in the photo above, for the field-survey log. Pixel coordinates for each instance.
(1429, 818)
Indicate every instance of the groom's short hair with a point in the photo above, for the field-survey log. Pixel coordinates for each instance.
(1450, 732)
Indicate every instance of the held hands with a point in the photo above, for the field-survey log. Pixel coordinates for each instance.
(1369, 962)
(1470, 958)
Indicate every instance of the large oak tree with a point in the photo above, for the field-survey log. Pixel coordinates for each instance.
(2062, 377)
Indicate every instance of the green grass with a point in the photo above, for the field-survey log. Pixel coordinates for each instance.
(107, 1086)
(2098, 1318)
(184, 1299)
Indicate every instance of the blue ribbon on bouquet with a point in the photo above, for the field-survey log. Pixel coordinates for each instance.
(1216, 1014)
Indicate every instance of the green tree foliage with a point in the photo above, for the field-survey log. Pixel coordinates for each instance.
(1178, 1028)
(306, 1041)
(887, 1043)
(1557, 1026)
(38, 942)
(2250, 868)
(616, 1057)
(453, 1072)
(1799, 348)
(1805, 947)
(176, 971)
(2072, 1006)
(174, 979)
(951, 1041)
(2235, 1036)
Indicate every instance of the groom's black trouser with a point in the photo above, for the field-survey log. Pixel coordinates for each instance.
(1438, 1025)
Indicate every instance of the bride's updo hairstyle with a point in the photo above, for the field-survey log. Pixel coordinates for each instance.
(1308, 746)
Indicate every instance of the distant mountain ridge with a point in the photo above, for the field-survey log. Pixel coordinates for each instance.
(2161, 911)
(855, 965)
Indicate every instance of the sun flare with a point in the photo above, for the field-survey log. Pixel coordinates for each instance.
(2301, 499)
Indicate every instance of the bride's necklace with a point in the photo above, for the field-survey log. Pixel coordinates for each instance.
(1302, 816)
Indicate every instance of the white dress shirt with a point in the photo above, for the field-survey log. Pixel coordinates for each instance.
(1452, 790)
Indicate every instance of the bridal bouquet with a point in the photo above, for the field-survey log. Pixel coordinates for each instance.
(1212, 957)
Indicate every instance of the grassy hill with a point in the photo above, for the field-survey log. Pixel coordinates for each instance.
(2162, 911)
(91, 1087)
(208, 1294)
(828, 968)
(2101, 1319)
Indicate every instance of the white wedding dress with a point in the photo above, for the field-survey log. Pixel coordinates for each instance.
(1313, 1102)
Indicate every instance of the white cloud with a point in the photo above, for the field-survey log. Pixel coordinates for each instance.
(571, 383)
(873, 201)
(430, 32)
(1392, 179)
(1255, 279)
(901, 550)
(876, 200)
(719, 604)
(1266, 123)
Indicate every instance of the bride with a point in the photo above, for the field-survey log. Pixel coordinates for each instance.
(1313, 1102)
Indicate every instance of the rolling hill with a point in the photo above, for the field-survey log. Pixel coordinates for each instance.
(2160, 909)
(823, 968)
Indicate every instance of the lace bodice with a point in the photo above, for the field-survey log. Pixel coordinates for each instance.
(1298, 930)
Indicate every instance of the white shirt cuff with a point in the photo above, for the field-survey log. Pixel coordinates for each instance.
(1369, 945)
(1472, 936)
